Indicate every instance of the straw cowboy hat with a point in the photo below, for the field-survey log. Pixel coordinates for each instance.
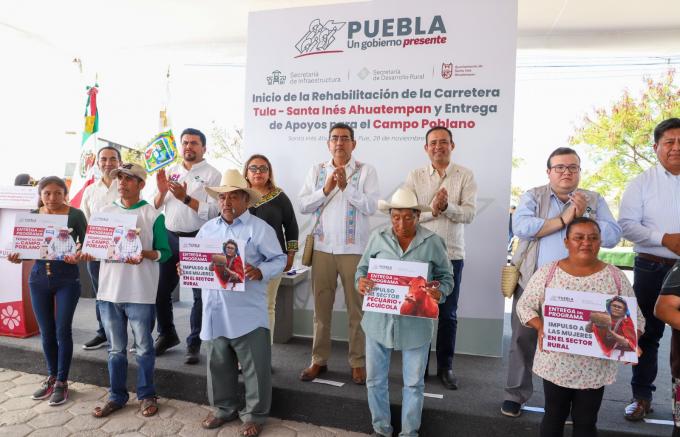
(232, 180)
(403, 198)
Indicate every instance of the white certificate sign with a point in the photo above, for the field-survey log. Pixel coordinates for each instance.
(400, 289)
(591, 324)
(212, 264)
(112, 237)
(42, 236)
(13, 197)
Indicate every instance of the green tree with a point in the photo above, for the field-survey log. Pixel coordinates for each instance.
(619, 139)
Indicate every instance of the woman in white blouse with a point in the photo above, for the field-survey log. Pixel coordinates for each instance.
(573, 383)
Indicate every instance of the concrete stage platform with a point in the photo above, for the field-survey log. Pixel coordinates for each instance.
(473, 410)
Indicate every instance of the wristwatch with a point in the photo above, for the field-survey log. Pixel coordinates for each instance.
(187, 199)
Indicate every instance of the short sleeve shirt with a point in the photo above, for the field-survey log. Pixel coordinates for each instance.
(671, 286)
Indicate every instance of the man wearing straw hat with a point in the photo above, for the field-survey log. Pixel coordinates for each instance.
(340, 194)
(451, 192)
(127, 295)
(540, 222)
(235, 324)
(404, 240)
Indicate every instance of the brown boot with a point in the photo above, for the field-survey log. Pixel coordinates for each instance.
(359, 375)
(637, 410)
(312, 372)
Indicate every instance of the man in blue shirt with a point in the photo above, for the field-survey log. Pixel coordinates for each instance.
(650, 218)
(236, 324)
(540, 223)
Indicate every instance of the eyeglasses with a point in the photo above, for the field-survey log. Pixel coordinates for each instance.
(258, 169)
(337, 139)
(562, 168)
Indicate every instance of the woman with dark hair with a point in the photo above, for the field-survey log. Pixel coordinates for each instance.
(573, 384)
(276, 209)
(55, 290)
(614, 331)
(24, 180)
(228, 268)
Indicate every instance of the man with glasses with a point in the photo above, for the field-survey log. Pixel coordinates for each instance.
(650, 218)
(95, 197)
(340, 195)
(450, 191)
(181, 193)
(540, 223)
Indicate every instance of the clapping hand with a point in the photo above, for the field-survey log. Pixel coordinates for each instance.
(440, 201)
(162, 181)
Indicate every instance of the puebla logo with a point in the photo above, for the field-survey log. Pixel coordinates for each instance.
(320, 38)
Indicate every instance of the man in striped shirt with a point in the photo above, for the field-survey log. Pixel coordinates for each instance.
(451, 191)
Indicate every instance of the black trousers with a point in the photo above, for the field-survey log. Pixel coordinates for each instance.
(167, 282)
(647, 282)
(582, 404)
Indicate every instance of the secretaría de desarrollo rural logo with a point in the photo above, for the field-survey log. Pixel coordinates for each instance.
(400, 32)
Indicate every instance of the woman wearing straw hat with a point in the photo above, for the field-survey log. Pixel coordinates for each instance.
(403, 240)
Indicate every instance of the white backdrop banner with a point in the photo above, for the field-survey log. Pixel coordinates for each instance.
(392, 70)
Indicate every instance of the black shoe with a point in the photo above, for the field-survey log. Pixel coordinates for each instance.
(511, 409)
(95, 343)
(448, 379)
(192, 356)
(163, 343)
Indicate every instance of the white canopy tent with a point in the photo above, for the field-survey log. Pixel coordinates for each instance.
(51, 50)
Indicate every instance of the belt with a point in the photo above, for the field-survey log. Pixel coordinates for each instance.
(185, 234)
(657, 259)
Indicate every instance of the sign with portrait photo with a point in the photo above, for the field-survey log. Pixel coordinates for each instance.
(113, 237)
(400, 289)
(591, 324)
(212, 264)
(42, 236)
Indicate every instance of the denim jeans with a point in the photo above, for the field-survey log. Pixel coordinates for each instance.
(648, 278)
(413, 370)
(115, 317)
(448, 321)
(93, 270)
(54, 299)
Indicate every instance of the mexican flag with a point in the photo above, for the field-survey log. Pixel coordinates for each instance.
(84, 171)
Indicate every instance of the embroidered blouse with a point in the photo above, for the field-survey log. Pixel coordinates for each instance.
(568, 370)
(276, 209)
